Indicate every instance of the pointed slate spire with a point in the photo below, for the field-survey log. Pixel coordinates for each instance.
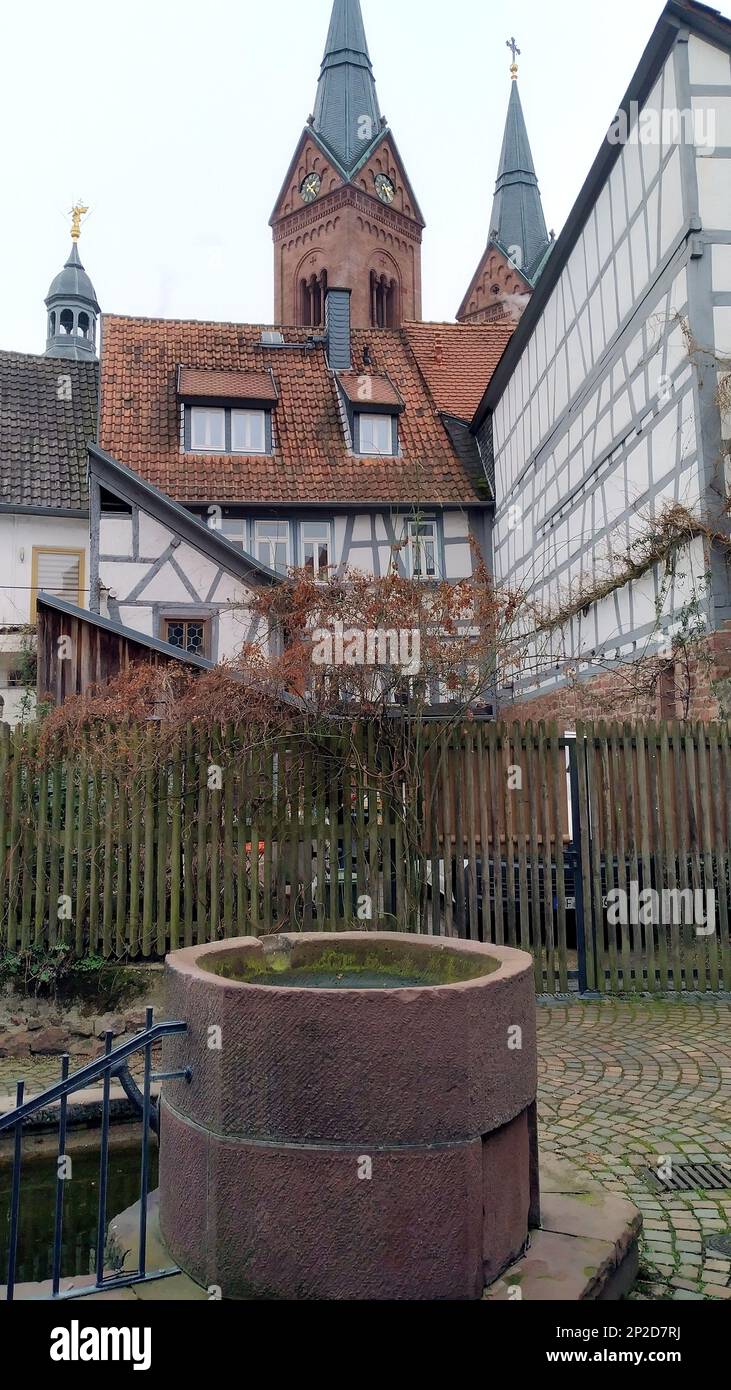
(517, 212)
(347, 117)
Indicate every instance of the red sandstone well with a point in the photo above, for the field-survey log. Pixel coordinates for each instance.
(361, 1119)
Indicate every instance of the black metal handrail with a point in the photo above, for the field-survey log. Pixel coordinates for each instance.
(113, 1064)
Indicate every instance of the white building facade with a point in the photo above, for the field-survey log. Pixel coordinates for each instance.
(604, 412)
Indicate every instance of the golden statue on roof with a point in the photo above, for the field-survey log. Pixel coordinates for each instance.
(77, 212)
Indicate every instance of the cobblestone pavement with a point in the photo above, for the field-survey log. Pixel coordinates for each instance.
(623, 1084)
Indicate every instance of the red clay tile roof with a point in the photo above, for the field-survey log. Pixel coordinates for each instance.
(140, 424)
(240, 386)
(365, 388)
(456, 358)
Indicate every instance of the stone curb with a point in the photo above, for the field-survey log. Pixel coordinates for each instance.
(587, 1248)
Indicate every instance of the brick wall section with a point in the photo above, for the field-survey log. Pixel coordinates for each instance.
(648, 690)
(347, 232)
(352, 237)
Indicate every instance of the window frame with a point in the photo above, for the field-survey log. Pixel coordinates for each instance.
(410, 525)
(271, 521)
(227, 410)
(247, 410)
(170, 616)
(326, 530)
(207, 410)
(360, 416)
(37, 588)
(242, 537)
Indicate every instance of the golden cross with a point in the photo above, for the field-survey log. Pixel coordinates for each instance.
(76, 214)
(512, 45)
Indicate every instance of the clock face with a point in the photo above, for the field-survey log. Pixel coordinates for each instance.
(310, 187)
(385, 188)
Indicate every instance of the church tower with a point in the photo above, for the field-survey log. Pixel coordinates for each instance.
(72, 305)
(518, 244)
(346, 215)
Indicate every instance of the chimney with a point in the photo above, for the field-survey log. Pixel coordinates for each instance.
(337, 329)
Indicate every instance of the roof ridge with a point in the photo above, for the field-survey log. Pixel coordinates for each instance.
(448, 323)
(51, 361)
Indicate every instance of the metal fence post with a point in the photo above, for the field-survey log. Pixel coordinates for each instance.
(575, 858)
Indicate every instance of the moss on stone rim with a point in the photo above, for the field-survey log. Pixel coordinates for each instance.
(428, 968)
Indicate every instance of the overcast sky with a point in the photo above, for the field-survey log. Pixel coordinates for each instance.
(175, 120)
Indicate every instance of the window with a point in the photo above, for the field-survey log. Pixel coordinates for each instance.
(271, 544)
(384, 302)
(248, 432)
(208, 430)
(190, 634)
(375, 434)
(58, 572)
(233, 529)
(316, 549)
(220, 430)
(312, 293)
(423, 549)
(66, 321)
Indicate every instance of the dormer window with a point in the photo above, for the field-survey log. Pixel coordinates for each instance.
(208, 430)
(227, 412)
(216, 430)
(248, 432)
(373, 406)
(375, 434)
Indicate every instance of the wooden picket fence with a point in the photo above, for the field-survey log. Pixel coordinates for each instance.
(655, 815)
(129, 847)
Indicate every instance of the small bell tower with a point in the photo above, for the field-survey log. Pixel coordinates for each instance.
(72, 305)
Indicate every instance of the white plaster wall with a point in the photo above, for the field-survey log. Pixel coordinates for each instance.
(616, 242)
(166, 586)
(722, 329)
(714, 192)
(18, 535)
(233, 631)
(721, 266)
(141, 619)
(230, 589)
(709, 66)
(154, 538)
(458, 561)
(121, 576)
(115, 536)
(581, 484)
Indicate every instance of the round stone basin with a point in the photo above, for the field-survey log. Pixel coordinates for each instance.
(289, 963)
(361, 1117)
